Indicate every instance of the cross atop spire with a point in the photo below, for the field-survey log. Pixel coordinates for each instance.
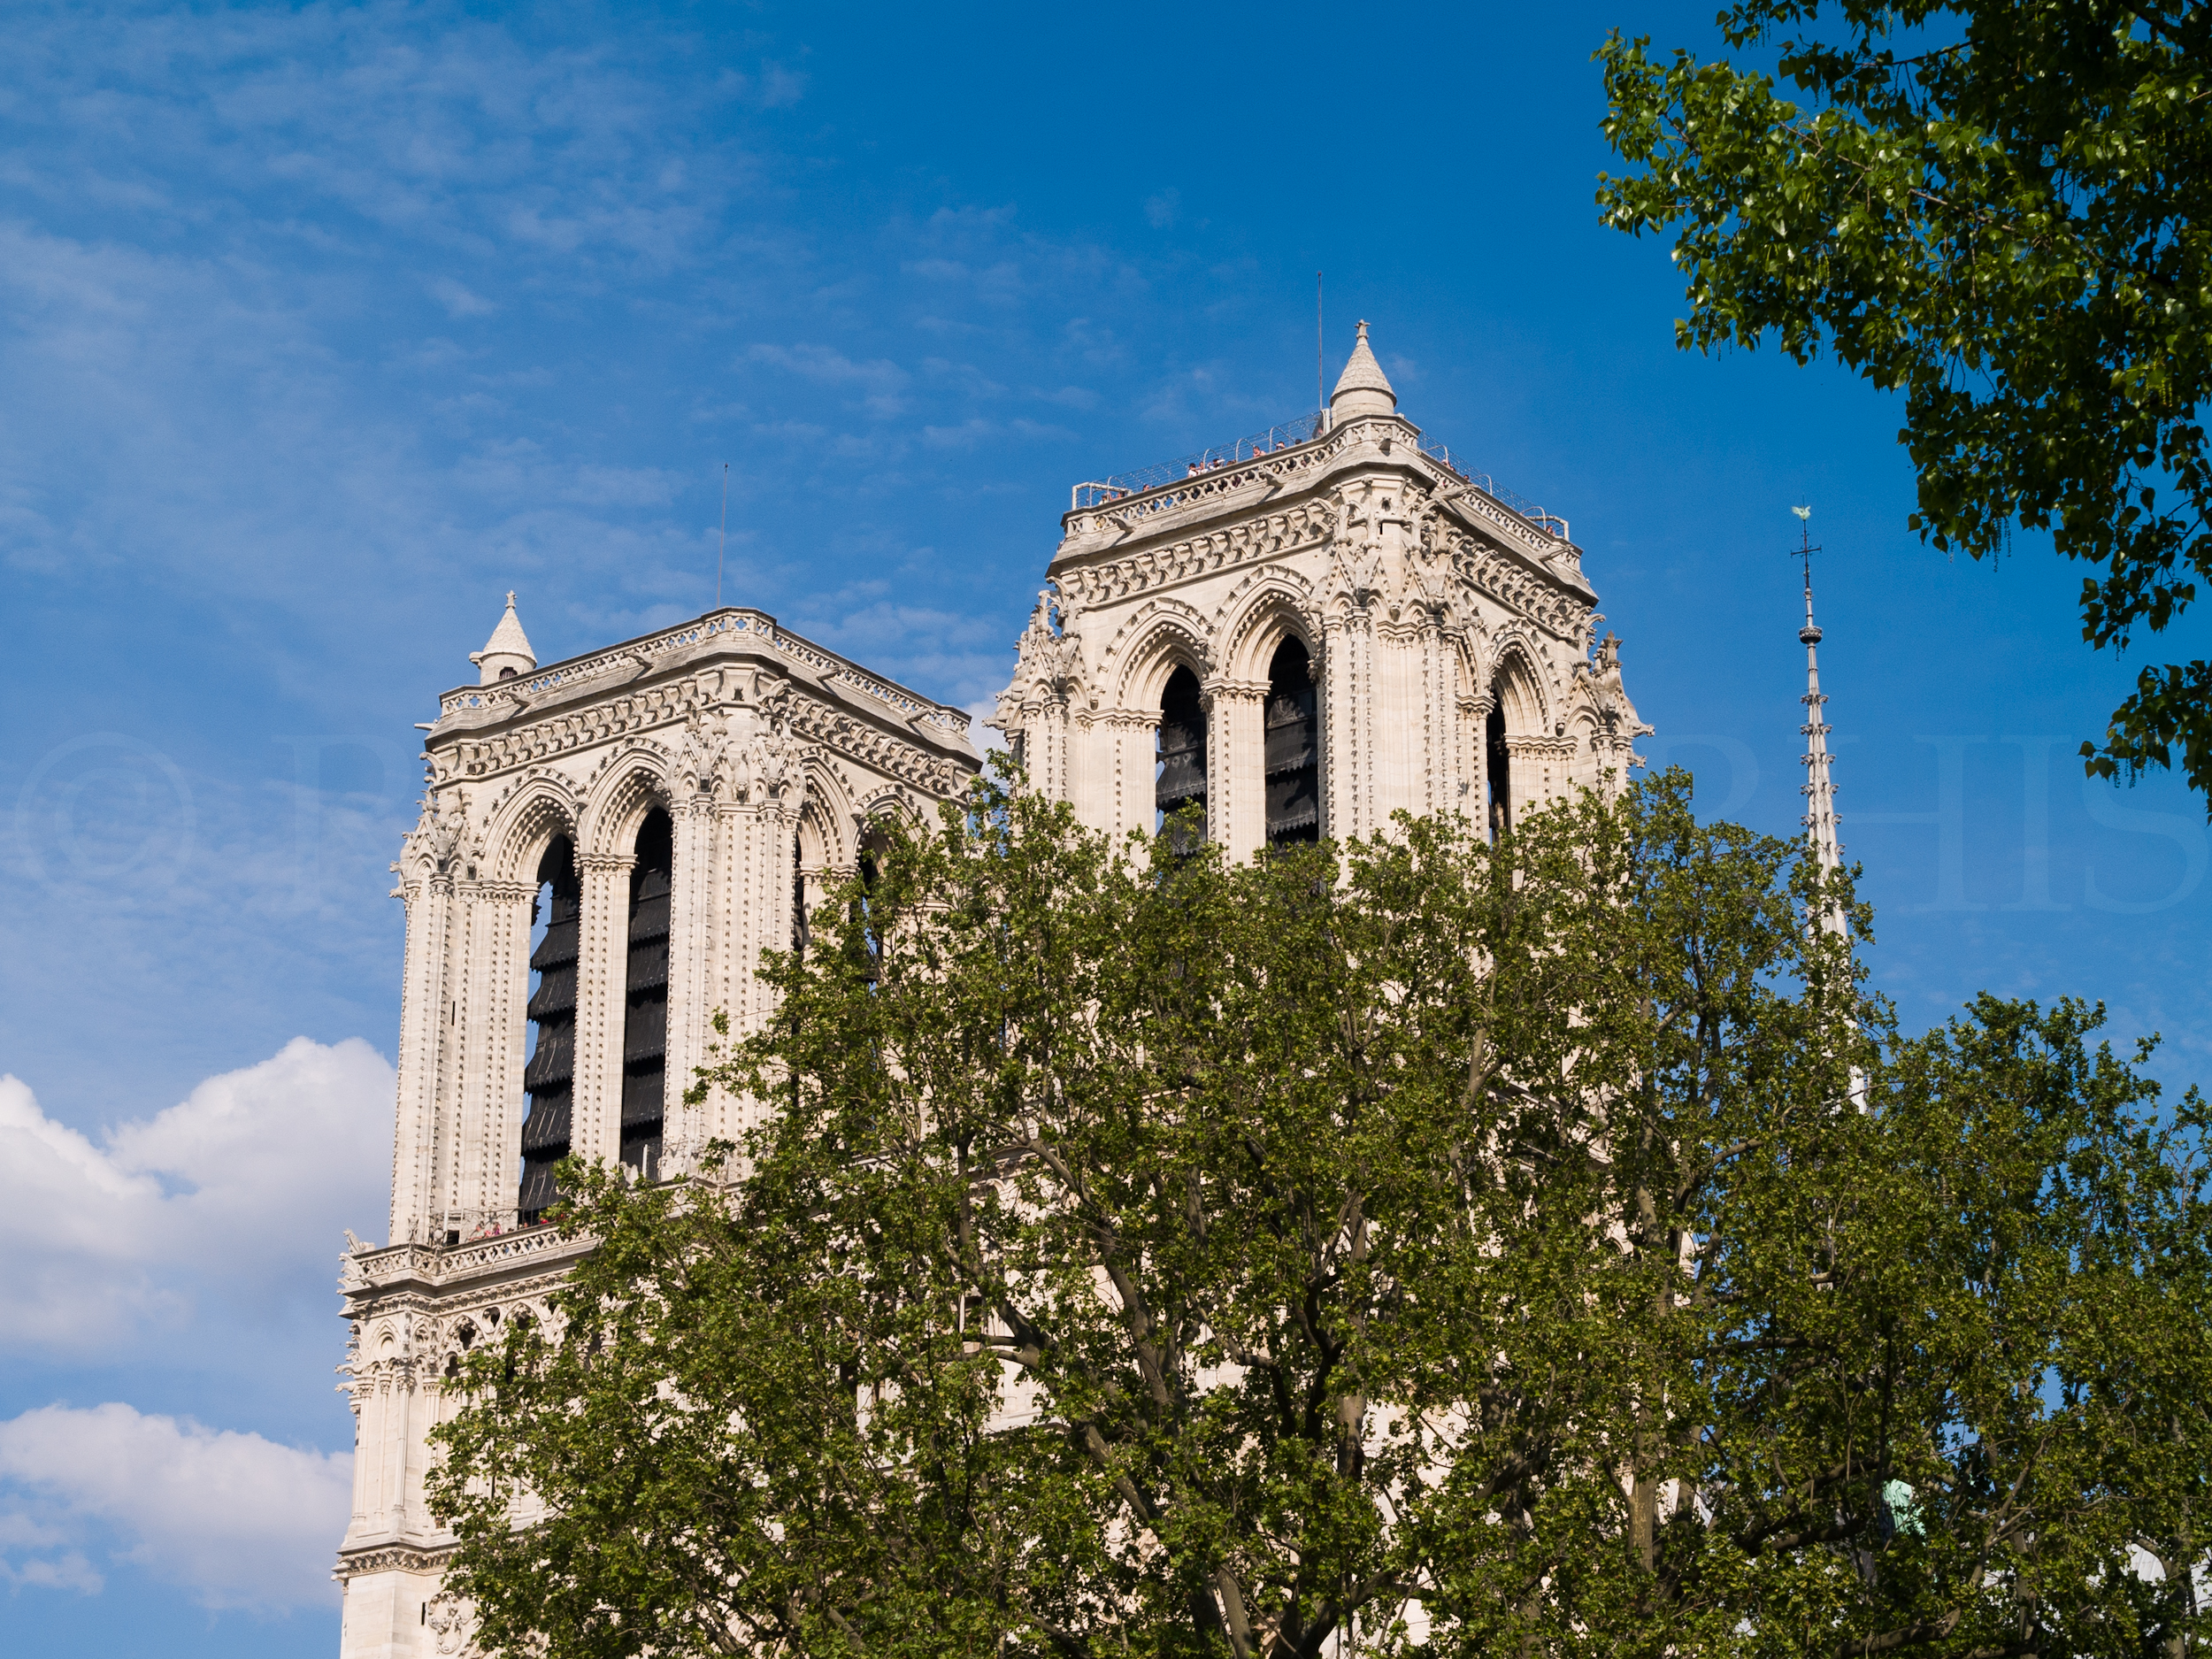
(1362, 388)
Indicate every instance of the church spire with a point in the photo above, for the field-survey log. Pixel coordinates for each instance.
(1362, 388)
(1819, 788)
(507, 653)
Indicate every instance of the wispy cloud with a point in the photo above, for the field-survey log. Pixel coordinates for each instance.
(458, 299)
(236, 1520)
(878, 380)
(229, 1195)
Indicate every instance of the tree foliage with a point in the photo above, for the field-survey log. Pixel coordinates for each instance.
(1453, 1249)
(2004, 212)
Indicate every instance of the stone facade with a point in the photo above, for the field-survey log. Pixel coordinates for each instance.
(1423, 603)
(1444, 661)
(772, 758)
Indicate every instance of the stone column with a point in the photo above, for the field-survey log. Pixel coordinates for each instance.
(1236, 764)
(602, 961)
(1120, 771)
(467, 1091)
(688, 950)
(1439, 688)
(1539, 771)
(747, 911)
(1347, 702)
(1474, 715)
(423, 995)
(1085, 751)
(495, 1032)
(1051, 764)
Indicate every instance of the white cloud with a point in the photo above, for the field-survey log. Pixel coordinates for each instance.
(458, 300)
(52, 1567)
(878, 378)
(230, 1192)
(242, 1521)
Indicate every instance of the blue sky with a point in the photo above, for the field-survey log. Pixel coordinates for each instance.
(322, 328)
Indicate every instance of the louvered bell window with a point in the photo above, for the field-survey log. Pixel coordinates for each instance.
(1498, 766)
(645, 1001)
(1294, 748)
(548, 1079)
(1182, 776)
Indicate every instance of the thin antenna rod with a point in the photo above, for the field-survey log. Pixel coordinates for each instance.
(725, 540)
(1320, 350)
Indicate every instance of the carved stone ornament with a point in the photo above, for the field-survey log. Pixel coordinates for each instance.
(439, 837)
(776, 758)
(700, 757)
(1357, 572)
(1612, 695)
(448, 1621)
(1049, 653)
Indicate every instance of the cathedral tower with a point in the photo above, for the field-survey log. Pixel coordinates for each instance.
(1311, 629)
(606, 846)
(1299, 635)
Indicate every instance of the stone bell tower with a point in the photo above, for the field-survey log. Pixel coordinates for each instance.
(1309, 629)
(606, 846)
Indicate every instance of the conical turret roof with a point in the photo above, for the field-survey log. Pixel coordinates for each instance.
(1362, 388)
(508, 649)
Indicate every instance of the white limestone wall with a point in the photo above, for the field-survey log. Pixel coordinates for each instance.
(739, 754)
(1422, 602)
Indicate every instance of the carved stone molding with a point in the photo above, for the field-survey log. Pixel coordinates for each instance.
(1307, 525)
(391, 1558)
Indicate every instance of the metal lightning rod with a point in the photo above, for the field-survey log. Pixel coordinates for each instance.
(723, 542)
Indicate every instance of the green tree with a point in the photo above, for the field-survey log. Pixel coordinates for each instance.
(1446, 1248)
(2004, 212)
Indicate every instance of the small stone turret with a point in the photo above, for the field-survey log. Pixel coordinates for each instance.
(1362, 388)
(507, 653)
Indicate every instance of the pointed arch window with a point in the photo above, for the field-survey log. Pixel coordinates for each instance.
(645, 998)
(1182, 774)
(1498, 769)
(1293, 748)
(549, 1076)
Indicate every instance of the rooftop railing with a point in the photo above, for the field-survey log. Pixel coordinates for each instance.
(1551, 521)
(1289, 436)
(466, 1227)
(634, 655)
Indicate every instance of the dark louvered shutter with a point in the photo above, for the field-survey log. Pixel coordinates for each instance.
(1498, 764)
(1182, 779)
(549, 1076)
(1294, 750)
(645, 1002)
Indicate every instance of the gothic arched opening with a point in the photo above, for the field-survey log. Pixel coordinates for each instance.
(549, 1075)
(1293, 746)
(798, 897)
(645, 1002)
(875, 847)
(1181, 780)
(1498, 769)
